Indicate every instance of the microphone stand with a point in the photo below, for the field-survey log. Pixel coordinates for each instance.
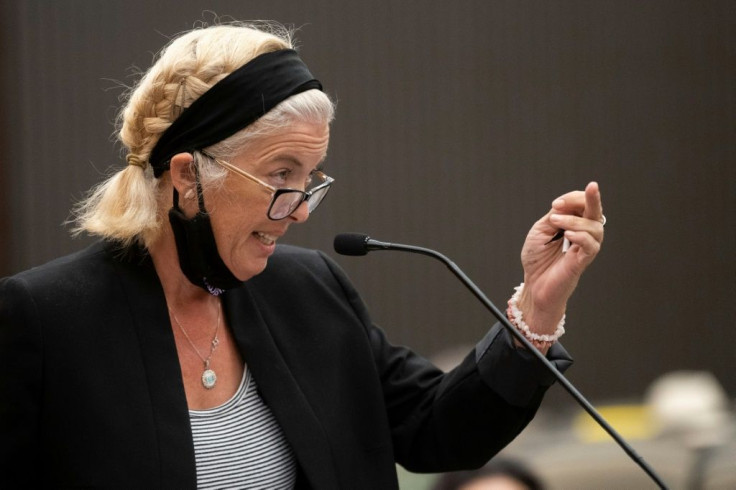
(371, 244)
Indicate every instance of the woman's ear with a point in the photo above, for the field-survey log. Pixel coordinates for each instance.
(182, 172)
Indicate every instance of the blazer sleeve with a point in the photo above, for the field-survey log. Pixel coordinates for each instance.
(20, 381)
(460, 419)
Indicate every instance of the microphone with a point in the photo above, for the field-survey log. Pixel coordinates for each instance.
(357, 244)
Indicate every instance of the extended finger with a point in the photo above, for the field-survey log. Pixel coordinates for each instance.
(593, 205)
(581, 202)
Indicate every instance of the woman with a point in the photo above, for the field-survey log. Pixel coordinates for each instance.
(186, 349)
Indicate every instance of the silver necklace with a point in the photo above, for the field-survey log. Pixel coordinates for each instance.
(209, 377)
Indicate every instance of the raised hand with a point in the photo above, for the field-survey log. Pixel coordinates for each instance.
(550, 276)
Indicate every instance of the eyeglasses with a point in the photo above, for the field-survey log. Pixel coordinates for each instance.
(285, 201)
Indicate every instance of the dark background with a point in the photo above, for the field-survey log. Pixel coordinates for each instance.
(458, 123)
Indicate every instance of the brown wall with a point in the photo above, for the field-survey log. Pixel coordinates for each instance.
(458, 123)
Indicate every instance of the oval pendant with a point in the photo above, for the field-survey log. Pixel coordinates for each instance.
(209, 378)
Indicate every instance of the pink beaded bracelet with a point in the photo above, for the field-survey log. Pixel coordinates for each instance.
(516, 318)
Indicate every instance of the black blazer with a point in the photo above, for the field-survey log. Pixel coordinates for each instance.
(91, 392)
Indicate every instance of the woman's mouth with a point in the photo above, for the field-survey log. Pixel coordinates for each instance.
(264, 238)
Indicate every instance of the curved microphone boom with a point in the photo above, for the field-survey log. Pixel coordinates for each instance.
(359, 244)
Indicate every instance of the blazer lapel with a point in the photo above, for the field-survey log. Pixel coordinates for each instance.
(147, 305)
(279, 388)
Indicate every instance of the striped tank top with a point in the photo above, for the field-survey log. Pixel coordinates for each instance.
(240, 445)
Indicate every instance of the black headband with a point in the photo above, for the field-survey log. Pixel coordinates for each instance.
(234, 103)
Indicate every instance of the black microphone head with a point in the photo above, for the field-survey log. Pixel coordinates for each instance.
(351, 244)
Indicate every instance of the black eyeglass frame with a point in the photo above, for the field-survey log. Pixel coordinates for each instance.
(306, 196)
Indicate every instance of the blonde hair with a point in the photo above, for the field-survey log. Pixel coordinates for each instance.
(129, 206)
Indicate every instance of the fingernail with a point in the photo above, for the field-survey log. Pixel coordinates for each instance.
(558, 203)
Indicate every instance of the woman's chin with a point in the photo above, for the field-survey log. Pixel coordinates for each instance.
(252, 268)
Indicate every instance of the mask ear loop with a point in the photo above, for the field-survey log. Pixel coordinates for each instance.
(200, 194)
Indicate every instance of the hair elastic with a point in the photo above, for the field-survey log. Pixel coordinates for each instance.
(135, 161)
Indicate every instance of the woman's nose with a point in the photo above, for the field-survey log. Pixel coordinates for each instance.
(301, 213)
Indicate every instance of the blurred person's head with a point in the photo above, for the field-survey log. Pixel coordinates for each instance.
(498, 474)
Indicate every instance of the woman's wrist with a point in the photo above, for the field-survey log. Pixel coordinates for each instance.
(541, 331)
(542, 318)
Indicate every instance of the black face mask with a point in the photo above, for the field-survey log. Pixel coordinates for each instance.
(195, 244)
